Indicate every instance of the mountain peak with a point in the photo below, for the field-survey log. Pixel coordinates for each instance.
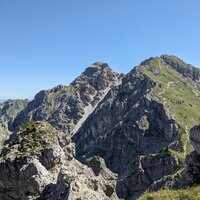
(139, 125)
(97, 74)
(171, 57)
(174, 60)
(166, 58)
(100, 65)
(64, 106)
(186, 70)
(97, 68)
(147, 61)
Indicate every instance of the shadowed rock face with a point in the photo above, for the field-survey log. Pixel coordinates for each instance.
(135, 120)
(128, 122)
(195, 138)
(190, 174)
(193, 160)
(143, 172)
(64, 106)
(138, 123)
(39, 164)
(127, 125)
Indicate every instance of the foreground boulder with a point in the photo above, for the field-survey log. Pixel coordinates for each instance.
(39, 164)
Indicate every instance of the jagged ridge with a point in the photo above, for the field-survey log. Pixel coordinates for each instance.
(140, 126)
(140, 117)
(63, 106)
(39, 164)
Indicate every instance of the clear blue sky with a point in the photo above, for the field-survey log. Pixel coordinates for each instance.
(44, 43)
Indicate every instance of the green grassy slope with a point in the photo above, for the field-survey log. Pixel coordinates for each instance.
(180, 97)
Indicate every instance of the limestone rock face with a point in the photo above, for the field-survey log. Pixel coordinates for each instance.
(190, 175)
(195, 138)
(143, 172)
(135, 125)
(8, 111)
(64, 106)
(130, 123)
(193, 169)
(39, 164)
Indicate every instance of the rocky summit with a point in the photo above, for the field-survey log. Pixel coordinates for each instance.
(106, 136)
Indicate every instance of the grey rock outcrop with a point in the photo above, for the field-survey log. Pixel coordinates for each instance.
(39, 164)
(8, 111)
(134, 124)
(143, 172)
(195, 138)
(64, 106)
(190, 174)
(192, 162)
(130, 123)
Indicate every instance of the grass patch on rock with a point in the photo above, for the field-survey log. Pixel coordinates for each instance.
(187, 194)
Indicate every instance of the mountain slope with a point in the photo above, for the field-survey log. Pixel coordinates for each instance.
(138, 123)
(154, 107)
(39, 164)
(65, 106)
(8, 111)
(186, 70)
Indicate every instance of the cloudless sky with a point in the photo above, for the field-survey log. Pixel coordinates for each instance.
(44, 43)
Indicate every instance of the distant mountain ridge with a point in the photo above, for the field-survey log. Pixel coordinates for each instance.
(139, 123)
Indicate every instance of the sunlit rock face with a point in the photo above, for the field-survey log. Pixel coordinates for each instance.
(39, 164)
(130, 134)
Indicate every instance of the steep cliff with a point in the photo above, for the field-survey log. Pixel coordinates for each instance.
(184, 184)
(66, 107)
(8, 111)
(136, 125)
(151, 110)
